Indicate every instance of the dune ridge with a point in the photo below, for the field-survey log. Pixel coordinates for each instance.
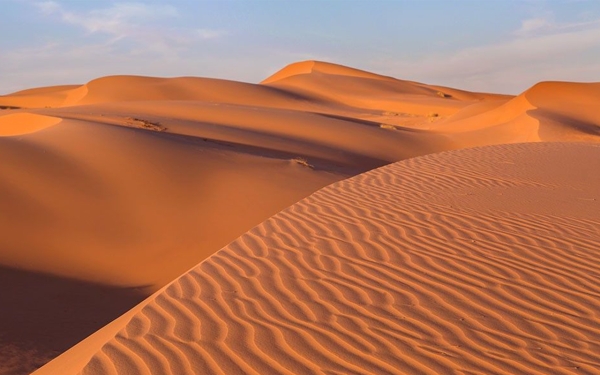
(549, 111)
(407, 269)
(312, 66)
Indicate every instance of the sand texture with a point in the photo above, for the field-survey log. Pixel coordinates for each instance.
(473, 261)
(112, 189)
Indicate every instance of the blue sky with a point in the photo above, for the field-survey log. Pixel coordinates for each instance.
(482, 45)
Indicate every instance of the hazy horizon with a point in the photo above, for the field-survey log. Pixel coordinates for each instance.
(494, 46)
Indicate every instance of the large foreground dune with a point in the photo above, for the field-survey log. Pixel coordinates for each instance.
(111, 189)
(473, 261)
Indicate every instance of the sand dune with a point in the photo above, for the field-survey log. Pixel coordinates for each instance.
(131, 88)
(565, 109)
(52, 96)
(310, 66)
(549, 111)
(472, 261)
(113, 189)
(122, 184)
(161, 173)
(362, 89)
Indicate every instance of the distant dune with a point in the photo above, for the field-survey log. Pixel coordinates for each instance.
(118, 186)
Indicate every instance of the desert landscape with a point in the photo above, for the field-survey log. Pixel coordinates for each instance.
(327, 220)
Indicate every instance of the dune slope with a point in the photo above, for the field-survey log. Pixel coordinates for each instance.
(130, 181)
(125, 182)
(473, 261)
(549, 111)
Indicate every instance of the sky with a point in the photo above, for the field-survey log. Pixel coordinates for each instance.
(498, 46)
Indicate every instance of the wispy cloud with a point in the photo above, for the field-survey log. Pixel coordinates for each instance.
(548, 25)
(532, 25)
(134, 21)
(48, 7)
(120, 19)
(209, 34)
(120, 38)
(540, 49)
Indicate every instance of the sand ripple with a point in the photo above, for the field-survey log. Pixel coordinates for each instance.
(401, 270)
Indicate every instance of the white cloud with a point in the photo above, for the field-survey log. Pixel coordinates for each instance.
(140, 23)
(48, 7)
(209, 34)
(547, 25)
(120, 19)
(532, 25)
(121, 38)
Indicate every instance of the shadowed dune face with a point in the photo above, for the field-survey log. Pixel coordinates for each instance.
(43, 315)
(87, 201)
(549, 111)
(475, 261)
(566, 109)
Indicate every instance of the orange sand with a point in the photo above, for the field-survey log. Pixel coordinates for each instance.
(473, 261)
(124, 183)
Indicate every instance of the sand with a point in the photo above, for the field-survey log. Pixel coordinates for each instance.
(473, 261)
(119, 186)
(25, 123)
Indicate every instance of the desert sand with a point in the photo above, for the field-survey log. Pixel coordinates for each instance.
(117, 187)
(473, 261)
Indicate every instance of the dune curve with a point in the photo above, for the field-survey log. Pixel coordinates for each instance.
(480, 260)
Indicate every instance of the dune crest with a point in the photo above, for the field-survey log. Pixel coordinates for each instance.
(477, 261)
(369, 91)
(43, 97)
(311, 66)
(548, 111)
